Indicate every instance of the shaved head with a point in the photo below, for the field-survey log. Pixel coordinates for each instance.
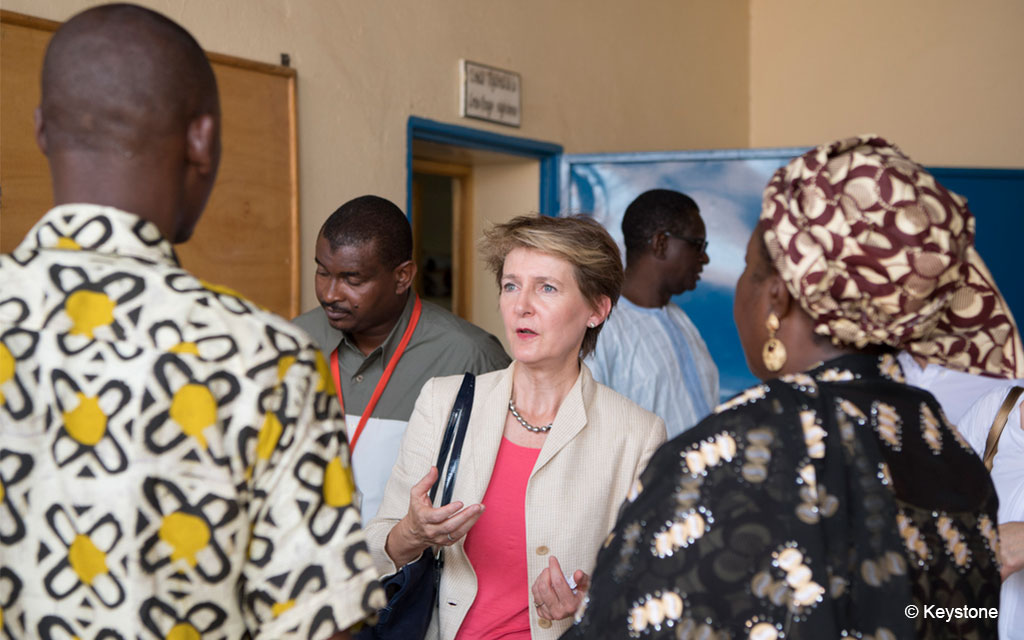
(118, 75)
(653, 211)
(373, 219)
(129, 117)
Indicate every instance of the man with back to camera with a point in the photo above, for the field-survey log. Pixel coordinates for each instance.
(171, 463)
(364, 276)
(650, 350)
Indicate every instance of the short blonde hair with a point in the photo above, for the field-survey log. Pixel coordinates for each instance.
(579, 240)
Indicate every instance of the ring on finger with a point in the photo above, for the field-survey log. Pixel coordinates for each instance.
(450, 538)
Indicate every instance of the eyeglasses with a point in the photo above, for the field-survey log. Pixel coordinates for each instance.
(700, 244)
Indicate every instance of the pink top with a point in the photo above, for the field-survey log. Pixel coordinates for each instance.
(496, 547)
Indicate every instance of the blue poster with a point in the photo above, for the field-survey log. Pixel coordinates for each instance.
(726, 185)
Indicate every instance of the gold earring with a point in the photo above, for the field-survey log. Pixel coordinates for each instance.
(774, 352)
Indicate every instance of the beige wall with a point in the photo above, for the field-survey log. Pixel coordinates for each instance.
(598, 75)
(941, 78)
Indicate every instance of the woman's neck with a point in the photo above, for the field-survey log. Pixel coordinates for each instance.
(806, 349)
(538, 392)
(809, 356)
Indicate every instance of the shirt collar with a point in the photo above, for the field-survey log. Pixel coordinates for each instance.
(99, 229)
(390, 343)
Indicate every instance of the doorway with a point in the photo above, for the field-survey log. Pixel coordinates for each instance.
(442, 197)
(462, 181)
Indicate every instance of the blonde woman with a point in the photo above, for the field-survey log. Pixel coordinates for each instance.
(549, 454)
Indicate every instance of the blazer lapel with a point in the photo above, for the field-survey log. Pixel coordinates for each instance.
(570, 419)
(483, 438)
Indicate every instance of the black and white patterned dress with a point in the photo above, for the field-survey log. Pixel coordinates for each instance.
(829, 504)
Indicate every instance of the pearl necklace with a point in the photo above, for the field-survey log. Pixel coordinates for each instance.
(526, 425)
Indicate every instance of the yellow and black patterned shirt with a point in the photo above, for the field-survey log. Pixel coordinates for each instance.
(171, 458)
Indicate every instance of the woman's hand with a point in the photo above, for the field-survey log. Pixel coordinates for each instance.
(1011, 547)
(424, 526)
(553, 596)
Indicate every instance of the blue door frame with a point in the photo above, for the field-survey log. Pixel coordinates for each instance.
(547, 153)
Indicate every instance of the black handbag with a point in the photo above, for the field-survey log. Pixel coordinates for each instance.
(412, 592)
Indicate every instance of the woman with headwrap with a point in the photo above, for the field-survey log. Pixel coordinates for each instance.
(832, 500)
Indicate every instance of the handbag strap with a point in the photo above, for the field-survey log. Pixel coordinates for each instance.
(454, 434)
(992, 443)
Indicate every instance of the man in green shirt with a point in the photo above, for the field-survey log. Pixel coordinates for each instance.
(368, 317)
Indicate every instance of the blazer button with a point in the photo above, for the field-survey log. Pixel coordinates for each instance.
(543, 623)
(542, 550)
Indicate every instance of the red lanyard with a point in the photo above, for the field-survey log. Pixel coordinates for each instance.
(383, 382)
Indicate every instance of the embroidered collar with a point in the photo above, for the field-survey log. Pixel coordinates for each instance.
(100, 229)
(856, 366)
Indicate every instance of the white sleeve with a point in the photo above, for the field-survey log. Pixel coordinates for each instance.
(975, 424)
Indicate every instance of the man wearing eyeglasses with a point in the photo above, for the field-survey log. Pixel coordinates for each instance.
(649, 349)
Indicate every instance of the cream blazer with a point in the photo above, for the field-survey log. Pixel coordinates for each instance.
(599, 444)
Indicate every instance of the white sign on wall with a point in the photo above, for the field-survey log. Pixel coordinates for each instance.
(490, 94)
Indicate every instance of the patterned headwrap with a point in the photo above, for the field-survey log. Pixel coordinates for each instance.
(878, 252)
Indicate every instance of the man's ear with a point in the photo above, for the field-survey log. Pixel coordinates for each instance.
(405, 273)
(40, 128)
(203, 144)
(659, 244)
(779, 299)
